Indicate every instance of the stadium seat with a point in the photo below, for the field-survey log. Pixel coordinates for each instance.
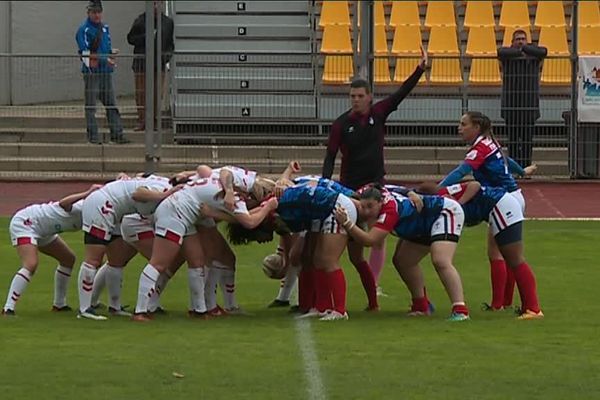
(443, 41)
(479, 14)
(405, 13)
(381, 66)
(336, 39)
(445, 71)
(589, 43)
(405, 66)
(508, 32)
(514, 14)
(550, 14)
(589, 14)
(556, 71)
(338, 70)
(407, 40)
(334, 13)
(440, 13)
(555, 40)
(485, 71)
(381, 70)
(482, 42)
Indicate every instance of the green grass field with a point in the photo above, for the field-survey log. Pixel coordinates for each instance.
(372, 356)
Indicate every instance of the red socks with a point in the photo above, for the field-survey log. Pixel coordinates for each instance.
(306, 289)
(368, 282)
(323, 300)
(498, 275)
(460, 309)
(527, 288)
(420, 304)
(337, 284)
(509, 289)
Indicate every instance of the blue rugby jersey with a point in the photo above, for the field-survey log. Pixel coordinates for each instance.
(477, 209)
(489, 165)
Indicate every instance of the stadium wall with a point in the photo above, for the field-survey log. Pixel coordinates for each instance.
(40, 27)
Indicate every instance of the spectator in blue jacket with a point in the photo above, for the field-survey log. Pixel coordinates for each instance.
(97, 64)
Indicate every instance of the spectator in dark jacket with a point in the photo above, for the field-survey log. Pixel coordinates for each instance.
(521, 93)
(137, 38)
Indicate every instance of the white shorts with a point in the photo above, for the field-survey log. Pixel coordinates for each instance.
(134, 228)
(450, 223)
(169, 224)
(518, 195)
(98, 220)
(23, 232)
(506, 212)
(330, 225)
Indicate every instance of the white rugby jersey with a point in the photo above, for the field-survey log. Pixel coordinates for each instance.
(242, 178)
(188, 200)
(50, 218)
(119, 195)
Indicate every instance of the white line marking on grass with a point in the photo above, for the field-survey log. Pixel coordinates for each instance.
(312, 371)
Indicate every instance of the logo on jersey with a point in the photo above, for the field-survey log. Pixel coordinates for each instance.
(27, 222)
(381, 219)
(371, 121)
(471, 155)
(351, 129)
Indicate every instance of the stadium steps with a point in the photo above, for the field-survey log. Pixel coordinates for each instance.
(86, 161)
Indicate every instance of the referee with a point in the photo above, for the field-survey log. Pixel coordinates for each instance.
(359, 135)
(359, 132)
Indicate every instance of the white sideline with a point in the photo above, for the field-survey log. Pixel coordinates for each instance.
(312, 372)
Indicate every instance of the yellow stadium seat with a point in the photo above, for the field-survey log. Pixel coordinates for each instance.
(482, 41)
(381, 70)
(334, 13)
(380, 42)
(440, 13)
(405, 13)
(589, 43)
(336, 39)
(508, 32)
(445, 71)
(556, 71)
(379, 16)
(443, 40)
(514, 13)
(407, 40)
(550, 13)
(484, 71)
(479, 13)
(338, 70)
(588, 14)
(555, 40)
(405, 66)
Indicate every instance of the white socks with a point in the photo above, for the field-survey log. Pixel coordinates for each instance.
(213, 276)
(62, 275)
(227, 282)
(161, 285)
(146, 288)
(196, 283)
(99, 283)
(288, 283)
(85, 284)
(114, 280)
(17, 287)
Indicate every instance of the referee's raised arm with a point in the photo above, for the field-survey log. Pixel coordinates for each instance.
(388, 105)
